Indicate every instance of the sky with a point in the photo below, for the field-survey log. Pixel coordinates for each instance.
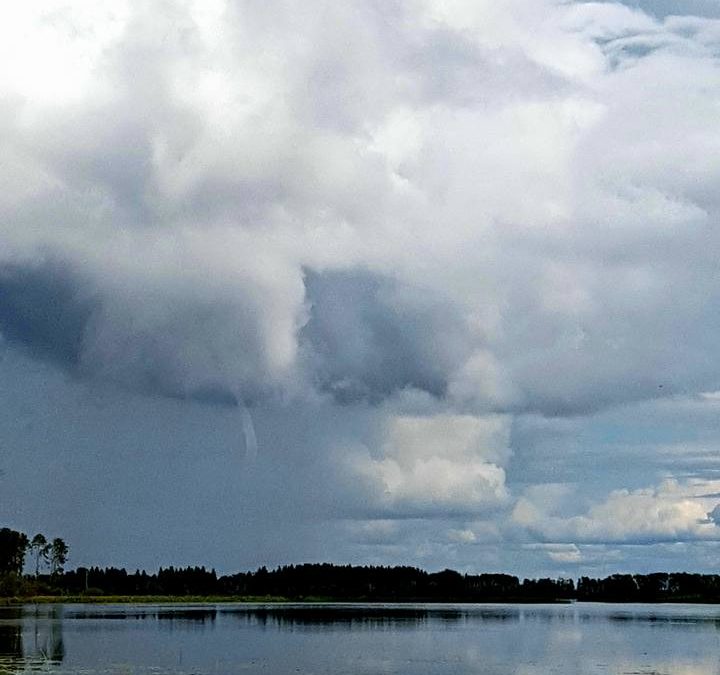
(426, 282)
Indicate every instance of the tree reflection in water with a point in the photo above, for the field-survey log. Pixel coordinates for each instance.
(30, 638)
(369, 617)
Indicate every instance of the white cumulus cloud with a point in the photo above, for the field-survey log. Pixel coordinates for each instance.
(437, 465)
(672, 511)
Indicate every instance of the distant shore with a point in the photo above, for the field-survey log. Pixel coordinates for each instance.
(279, 600)
(240, 599)
(327, 582)
(141, 599)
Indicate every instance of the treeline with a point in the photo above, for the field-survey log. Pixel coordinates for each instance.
(391, 584)
(327, 582)
(321, 582)
(657, 587)
(115, 581)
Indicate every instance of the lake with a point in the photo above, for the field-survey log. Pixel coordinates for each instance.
(356, 639)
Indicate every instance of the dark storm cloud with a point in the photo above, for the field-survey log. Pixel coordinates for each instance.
(50, 311)
(363, 340)
(45, 308)
(366, 344)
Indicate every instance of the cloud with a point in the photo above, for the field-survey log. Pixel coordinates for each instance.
(559, 553)
(157, 323)
(368, 337)
(672, 511)
(664, 8)
(43, 308)
(480, 202)
(461, 536)
(436, 466)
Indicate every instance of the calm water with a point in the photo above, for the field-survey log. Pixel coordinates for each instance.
(360, 639)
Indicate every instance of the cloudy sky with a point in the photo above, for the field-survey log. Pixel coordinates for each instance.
(429, 282)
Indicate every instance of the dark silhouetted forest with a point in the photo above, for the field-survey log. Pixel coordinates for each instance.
(321, 581)
(325, 581)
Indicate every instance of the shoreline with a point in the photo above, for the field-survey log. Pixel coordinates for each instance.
(139, 599)
(279, 600)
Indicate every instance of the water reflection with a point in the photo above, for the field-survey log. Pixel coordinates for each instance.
(179, 614)
(31, 639)
(354, 639)
(355, 615)
(345, 617)
(290, 615)
(366, 617)
(399, 616)
(11, 643)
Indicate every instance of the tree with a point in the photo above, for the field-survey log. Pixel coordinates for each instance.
(58, 555)
(13, 546)
(40, 547)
